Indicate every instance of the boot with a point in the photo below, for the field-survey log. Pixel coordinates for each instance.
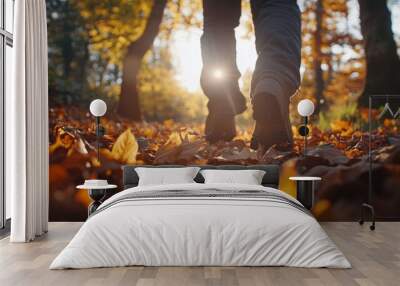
(220, 122)
(272, 123)
(220, 127)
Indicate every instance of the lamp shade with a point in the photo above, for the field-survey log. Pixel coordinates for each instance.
(305, 107)
(98, 107)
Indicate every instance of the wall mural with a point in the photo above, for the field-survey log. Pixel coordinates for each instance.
(176, 95)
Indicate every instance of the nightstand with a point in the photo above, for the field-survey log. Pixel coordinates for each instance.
(306, 190)
(97, 193)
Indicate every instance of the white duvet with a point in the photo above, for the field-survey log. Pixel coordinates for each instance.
(200, 231)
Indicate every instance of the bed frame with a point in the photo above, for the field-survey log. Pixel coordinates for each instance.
(271, 178)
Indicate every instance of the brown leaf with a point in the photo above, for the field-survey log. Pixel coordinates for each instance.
(330, 153)
(184, 152)
(276, 156)
(236, 155)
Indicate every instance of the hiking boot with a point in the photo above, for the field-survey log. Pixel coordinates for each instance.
(220, 122)
(239, 102)
(220, 127)
(272, 123)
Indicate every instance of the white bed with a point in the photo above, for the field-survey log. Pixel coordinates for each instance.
(205, 230)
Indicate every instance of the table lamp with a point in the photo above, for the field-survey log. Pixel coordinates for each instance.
(305, 108)
(98, 108)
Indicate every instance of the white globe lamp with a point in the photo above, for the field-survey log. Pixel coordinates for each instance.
(305, 107)
(98, 108)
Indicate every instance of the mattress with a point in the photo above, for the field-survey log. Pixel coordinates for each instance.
(201, 225)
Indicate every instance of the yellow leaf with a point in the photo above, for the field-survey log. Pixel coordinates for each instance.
(169, 123)
(343, 127)
(174, 139)
(148, 132)
(125, 148)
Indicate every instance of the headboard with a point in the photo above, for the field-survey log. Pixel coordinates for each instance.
(271, 178)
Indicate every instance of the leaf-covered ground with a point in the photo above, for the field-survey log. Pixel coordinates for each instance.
(338, 155)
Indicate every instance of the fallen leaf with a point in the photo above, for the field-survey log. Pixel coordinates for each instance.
(343, 127)
(174, 139)
(125, 148)
(330, 153)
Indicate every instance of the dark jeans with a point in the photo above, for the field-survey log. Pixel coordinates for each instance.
(278, 42)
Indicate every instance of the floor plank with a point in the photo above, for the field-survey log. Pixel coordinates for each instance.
(375, 257)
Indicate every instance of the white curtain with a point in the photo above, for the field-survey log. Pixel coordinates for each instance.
(27, 123)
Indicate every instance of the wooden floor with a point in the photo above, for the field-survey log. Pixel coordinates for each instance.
(375, 257)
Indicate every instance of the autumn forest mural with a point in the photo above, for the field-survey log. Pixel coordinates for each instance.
(144, 59)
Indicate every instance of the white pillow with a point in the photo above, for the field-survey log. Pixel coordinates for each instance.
(164, 176)
(248, 177)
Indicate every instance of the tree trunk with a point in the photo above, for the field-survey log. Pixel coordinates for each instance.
(383, 63)
(319, 79)
(129, 106)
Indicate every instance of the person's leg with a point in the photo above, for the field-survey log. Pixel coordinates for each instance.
(277, 74)
(219, 77)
